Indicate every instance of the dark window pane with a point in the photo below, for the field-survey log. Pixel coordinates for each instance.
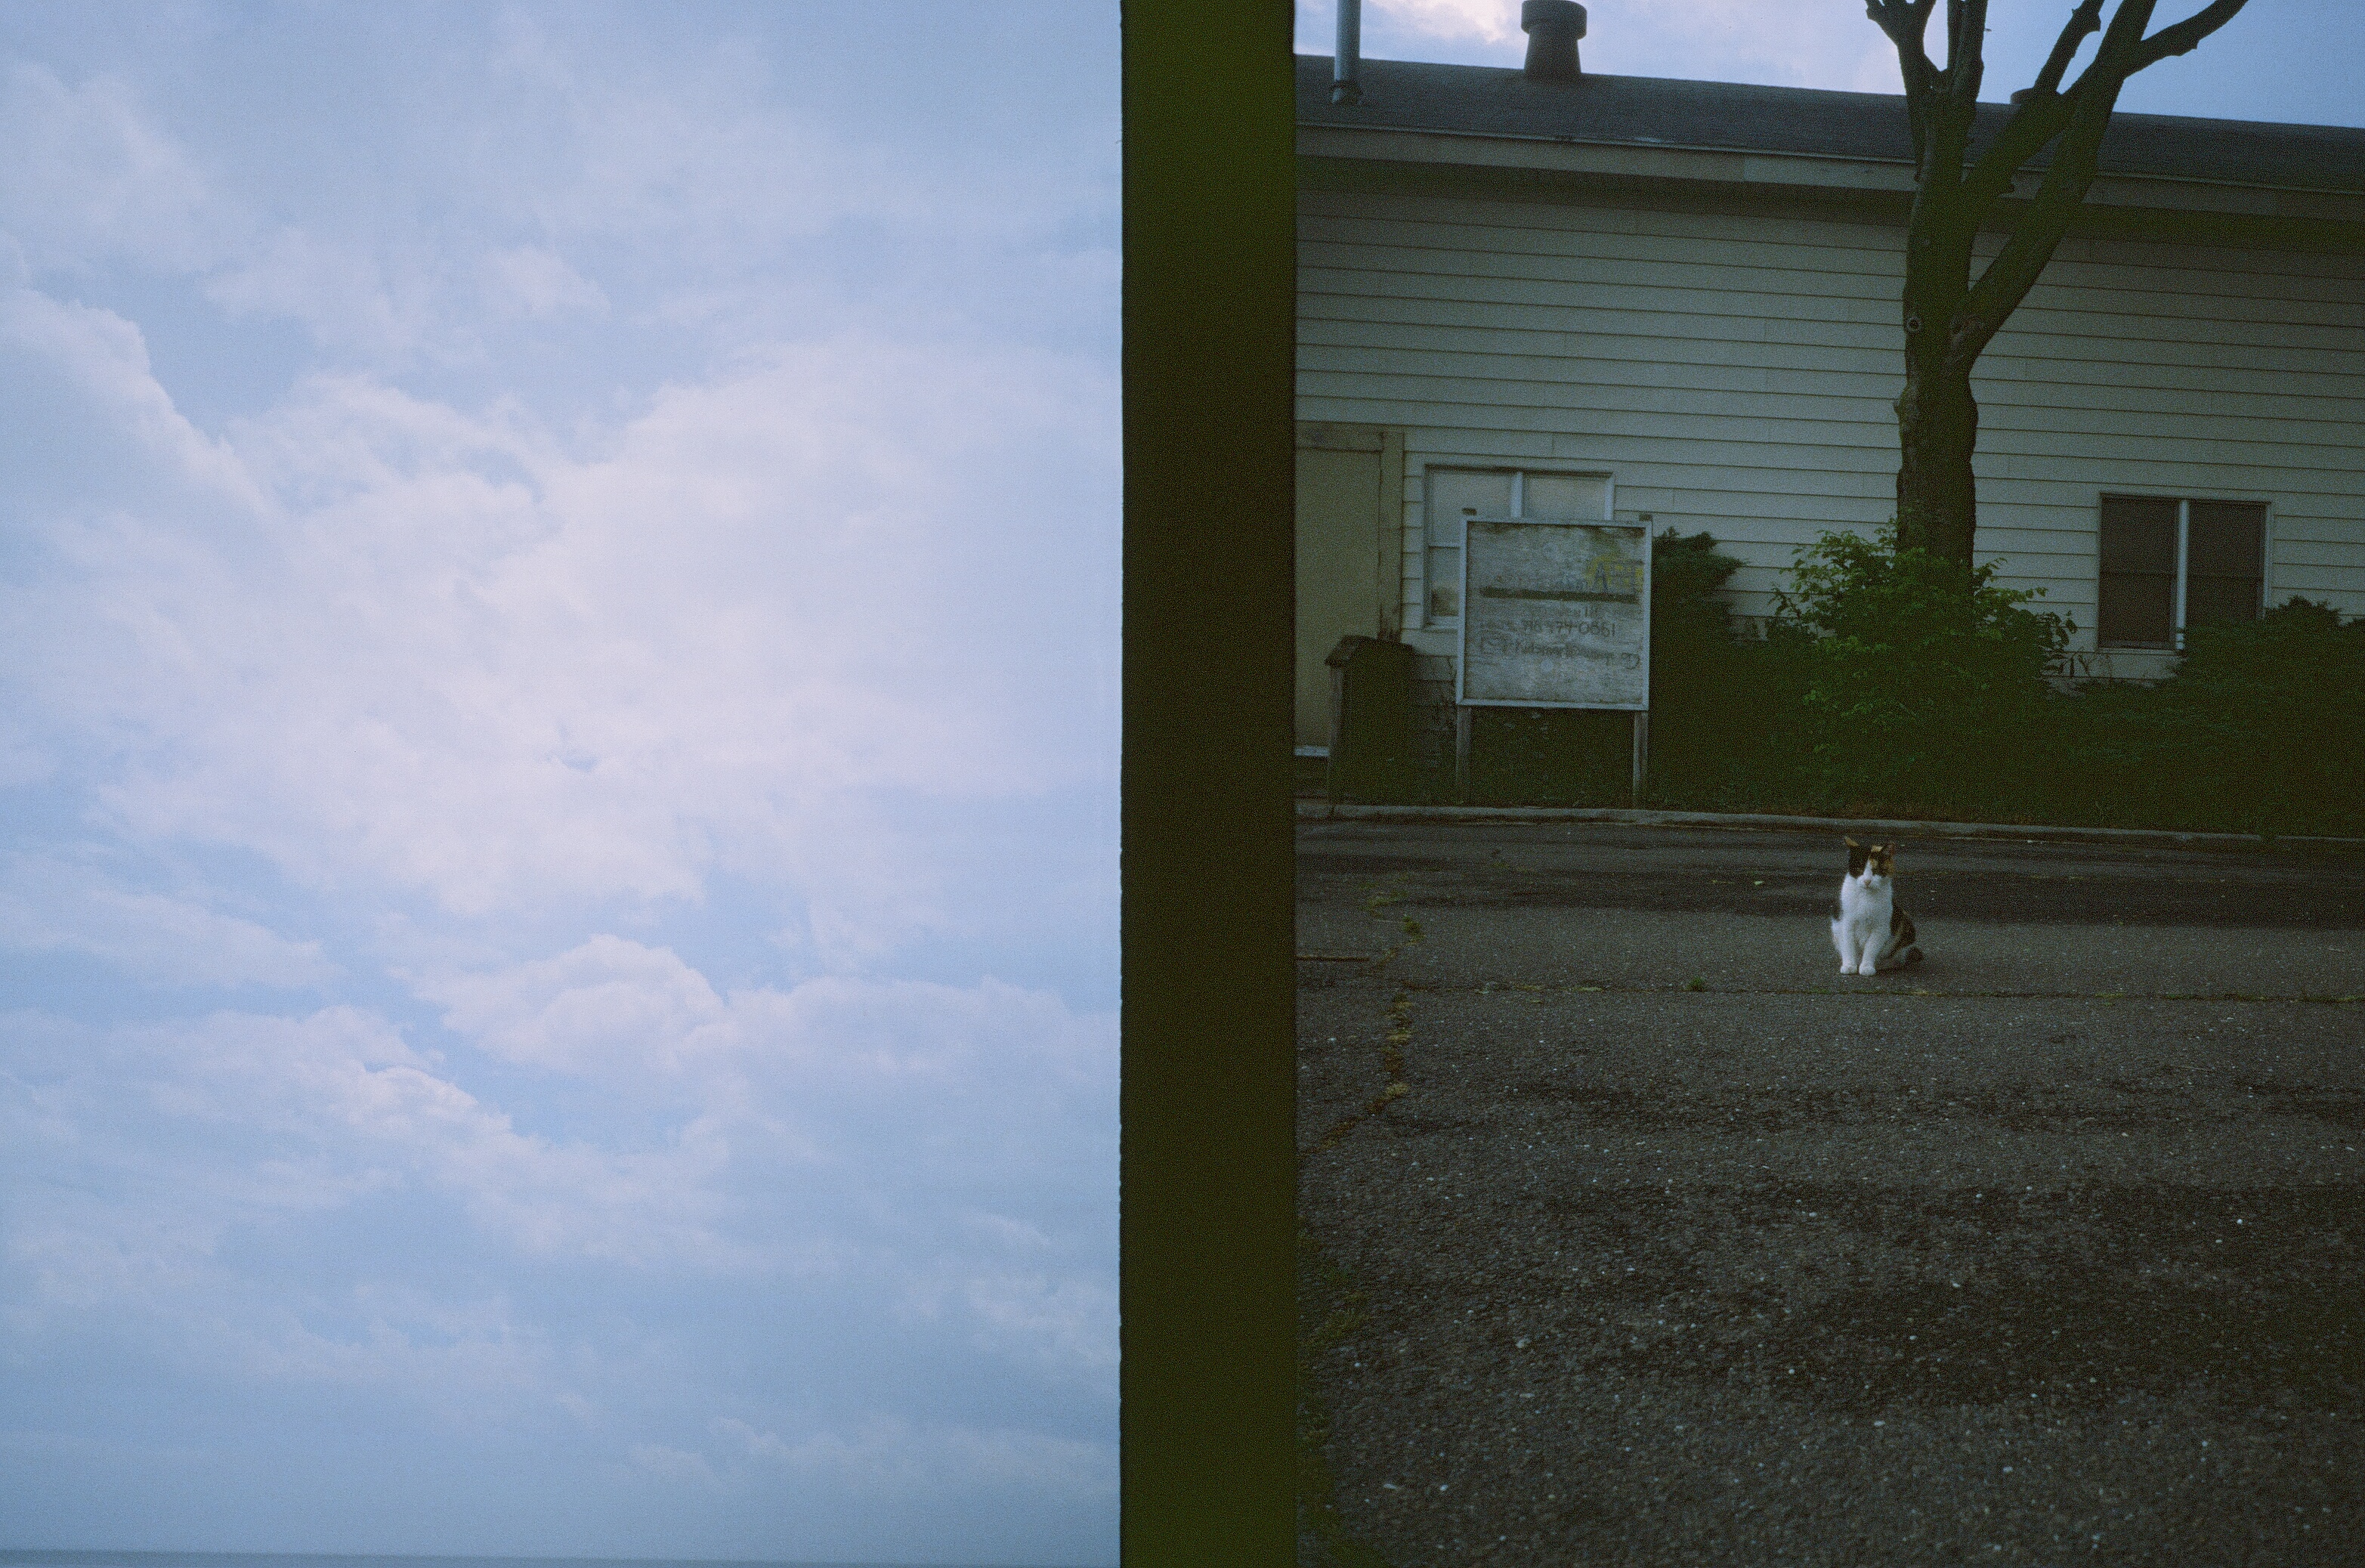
(2223, 539)
(2136, 608)
(2138, 534)
(2220, 599)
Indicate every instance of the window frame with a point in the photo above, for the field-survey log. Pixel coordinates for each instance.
(2183, 546)
(1518, 513)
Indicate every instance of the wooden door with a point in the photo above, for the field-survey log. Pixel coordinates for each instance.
(1348, 576)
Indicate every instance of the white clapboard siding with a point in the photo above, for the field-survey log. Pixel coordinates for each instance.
(1628, 364)
(1821, 403)
(1736, 374)
(1671, 359)
(2184, 310)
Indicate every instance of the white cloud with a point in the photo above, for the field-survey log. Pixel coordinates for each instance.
(239, 1120)
(90, 437)
(445, 651)
(836, 1069)
(1064, 1322)
(51, 905)
(88, 177)
(806, 1133)
(700, 153)
(1490, 21)
(379, 308)
(538, 281)
(610, 1009)
(777, 1187)
(673, 1464)
(1829, 46)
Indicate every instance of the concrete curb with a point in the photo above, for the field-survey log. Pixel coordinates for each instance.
(1322, 810)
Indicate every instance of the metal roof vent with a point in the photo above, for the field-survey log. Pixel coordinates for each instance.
(1552, 27)
(1344, 88)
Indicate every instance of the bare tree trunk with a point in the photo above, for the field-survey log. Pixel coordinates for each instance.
(1949, 319)
(1937, 428)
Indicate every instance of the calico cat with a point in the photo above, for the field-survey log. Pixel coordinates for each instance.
(1867, 927)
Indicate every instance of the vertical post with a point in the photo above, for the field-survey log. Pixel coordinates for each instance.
(1462, 753)
(1330, 779)
(1642, 753)
(1347, 63)
(2184, 533)
(1207, 1462)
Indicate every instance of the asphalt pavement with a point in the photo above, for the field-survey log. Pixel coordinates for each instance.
(1637, 1233)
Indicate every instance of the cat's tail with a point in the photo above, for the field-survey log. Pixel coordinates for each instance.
(1912, 955)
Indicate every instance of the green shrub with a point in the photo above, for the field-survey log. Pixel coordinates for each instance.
(1723, 708)
(1918, 669)
(2261, 728)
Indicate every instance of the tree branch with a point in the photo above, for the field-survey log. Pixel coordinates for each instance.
(1904, 21)
(2007, 279)
(2080, 117)
(1967, 35)
(2086, 19)
(2035, 122)
(2181, 37)
(2123, 35)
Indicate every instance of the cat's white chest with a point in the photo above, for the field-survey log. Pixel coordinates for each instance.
(1860, 923)
(1866, 907)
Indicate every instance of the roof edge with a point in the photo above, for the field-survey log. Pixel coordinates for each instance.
(1791, 154)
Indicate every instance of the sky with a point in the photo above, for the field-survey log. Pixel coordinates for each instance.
(558, 689)
(2289, 61)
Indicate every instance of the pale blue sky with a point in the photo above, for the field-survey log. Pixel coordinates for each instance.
(558, 905)
(557, 755)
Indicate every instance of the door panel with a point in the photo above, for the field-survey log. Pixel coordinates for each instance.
(1338, 556)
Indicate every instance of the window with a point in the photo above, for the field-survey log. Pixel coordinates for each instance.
(2167, 563)
(1457, 494)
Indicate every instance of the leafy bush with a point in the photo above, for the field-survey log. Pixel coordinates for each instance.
(1916, 667)
(1723, 709)
(2261, 728)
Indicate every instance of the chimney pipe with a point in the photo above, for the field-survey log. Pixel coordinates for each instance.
(1344, 89)
(1552, 27)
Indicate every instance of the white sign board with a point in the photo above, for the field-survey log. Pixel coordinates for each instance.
(1555, 615)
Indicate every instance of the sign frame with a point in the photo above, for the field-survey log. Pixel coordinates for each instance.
(1462, 659)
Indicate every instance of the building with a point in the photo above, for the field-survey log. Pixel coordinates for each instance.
(1679, 302)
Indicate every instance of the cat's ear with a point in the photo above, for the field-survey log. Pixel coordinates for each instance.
(1850, 842)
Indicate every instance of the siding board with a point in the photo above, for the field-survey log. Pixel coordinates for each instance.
(1529, 299)
(1771, 229)
(2100, 294)
(2074, 342)
(2013, 451)
(1996, 364)
(2236, 281)
(1489, 377)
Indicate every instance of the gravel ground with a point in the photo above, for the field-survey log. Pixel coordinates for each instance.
(1675, 1246)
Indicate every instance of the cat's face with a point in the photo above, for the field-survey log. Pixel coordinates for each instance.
(1873, 862)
